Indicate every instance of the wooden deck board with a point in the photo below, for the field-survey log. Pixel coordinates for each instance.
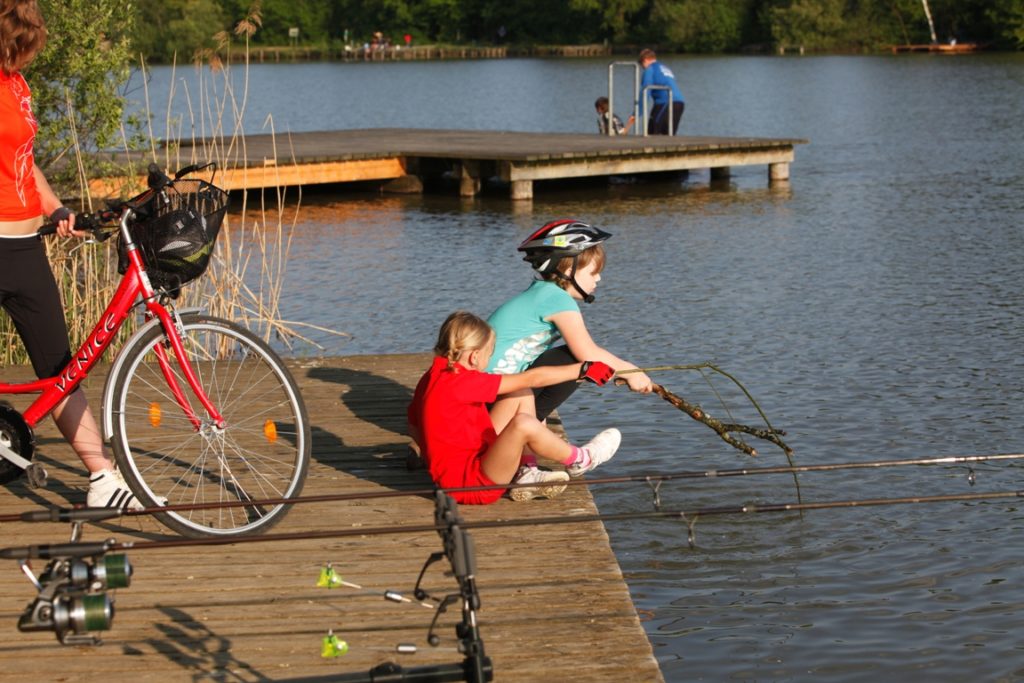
(251, 612)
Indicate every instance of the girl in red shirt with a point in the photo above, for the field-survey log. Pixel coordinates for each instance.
(450, 422)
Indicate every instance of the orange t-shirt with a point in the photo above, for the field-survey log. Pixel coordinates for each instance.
(19, 197)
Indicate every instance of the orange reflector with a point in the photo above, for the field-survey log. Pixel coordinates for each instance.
(155, 414)
(270, 431)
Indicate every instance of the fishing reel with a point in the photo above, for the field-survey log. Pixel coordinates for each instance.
(72, 600)
(17, 445)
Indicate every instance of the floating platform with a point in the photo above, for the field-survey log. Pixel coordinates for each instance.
(944, 48)
(517, 158)
(554, 602)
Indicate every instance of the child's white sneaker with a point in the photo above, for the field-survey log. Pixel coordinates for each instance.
(549, 484)
(108, 489)
(600, 449)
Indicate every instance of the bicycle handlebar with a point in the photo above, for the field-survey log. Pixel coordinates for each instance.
(96, 223)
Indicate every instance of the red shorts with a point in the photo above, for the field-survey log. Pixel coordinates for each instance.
(473, 476)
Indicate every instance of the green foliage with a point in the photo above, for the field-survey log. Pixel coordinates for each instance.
(311, 17)
(814, 24)
(177, 29)
(76, 82)
(1008, 15)
(185, 26)
(615, 15)
(702, 25)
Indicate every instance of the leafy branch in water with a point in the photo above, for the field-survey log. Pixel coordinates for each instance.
(724, 430)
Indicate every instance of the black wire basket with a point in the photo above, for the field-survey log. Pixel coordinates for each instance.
(175, 229)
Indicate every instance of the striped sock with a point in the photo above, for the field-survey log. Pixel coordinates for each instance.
(579, 456)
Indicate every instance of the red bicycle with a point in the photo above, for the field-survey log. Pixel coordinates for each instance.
(198, 410)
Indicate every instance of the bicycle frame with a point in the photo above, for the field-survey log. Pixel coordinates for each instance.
(134, 284)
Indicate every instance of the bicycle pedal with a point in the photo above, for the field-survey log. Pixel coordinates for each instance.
(36, 476)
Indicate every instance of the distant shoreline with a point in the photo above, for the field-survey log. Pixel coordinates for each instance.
(399, 53)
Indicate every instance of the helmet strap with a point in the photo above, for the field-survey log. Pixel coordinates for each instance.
(587, 298)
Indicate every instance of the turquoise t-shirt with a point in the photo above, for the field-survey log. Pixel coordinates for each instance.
(522, 329)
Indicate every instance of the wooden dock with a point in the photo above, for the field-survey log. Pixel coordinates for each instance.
(519, 159)
(554, 603)
(941, 48)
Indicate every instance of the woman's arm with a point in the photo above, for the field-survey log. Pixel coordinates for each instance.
(570, 324)
(51, 202)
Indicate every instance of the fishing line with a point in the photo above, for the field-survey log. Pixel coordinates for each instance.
(101, 514)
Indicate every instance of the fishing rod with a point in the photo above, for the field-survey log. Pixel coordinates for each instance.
(102, 514)
(48, 551)
(72, 600)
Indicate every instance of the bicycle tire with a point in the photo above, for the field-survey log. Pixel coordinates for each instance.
(262, 453)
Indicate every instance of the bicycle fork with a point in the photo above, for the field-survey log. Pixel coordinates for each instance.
(174, 331)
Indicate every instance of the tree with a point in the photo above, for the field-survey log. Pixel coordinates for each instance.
(615, 14)
(76, 84)
(177, 29)
(702, 25)
(1008, 16)
(810, 23)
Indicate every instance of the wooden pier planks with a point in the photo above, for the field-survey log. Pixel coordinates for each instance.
(554, 601)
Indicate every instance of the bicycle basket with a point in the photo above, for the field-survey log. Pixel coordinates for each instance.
(175, 230)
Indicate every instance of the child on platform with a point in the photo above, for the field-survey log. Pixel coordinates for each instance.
(464, 445)
(568, 256)
(604, 120)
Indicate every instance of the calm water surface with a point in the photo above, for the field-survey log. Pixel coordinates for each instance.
(873, 307)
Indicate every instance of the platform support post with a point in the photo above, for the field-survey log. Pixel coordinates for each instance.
(721, 173)
(522, 189)
(778, 172)
(469, 178)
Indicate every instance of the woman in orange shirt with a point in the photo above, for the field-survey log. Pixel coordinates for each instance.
(28, 291)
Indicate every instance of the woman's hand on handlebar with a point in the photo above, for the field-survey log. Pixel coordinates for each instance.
(66, 223)
(64, 219)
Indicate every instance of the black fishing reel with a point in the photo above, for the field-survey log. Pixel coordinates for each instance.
(73, 601)
(17, 445)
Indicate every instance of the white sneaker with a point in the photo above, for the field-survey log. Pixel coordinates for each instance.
(534, 475)
(601, 448)
(108, 489)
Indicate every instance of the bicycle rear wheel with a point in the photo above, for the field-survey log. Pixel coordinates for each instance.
(261, 453)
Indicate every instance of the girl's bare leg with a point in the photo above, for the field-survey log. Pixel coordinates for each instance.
(76, 423)
(509, 405)
(501, 461)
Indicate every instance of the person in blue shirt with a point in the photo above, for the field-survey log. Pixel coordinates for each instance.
(656, 73)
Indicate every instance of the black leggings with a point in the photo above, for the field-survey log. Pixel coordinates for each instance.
(29, 294)
(549, 398)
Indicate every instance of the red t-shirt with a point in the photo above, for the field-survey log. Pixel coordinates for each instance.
(19, 197)
(449, 409)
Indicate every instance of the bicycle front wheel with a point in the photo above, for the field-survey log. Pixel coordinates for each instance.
(165, 454)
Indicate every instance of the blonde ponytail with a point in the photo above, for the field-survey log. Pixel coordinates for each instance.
(462, 331)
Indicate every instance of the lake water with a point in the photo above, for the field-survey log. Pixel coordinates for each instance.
(873, 307)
